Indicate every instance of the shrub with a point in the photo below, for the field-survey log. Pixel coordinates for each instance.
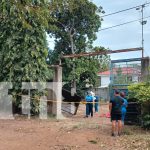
(141, 92)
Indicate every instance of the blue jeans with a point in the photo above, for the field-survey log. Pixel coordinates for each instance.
(96, 106)
(123, 115)
(89, 109)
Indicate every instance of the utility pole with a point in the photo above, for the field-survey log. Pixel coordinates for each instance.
(143, 22)
(142, 32)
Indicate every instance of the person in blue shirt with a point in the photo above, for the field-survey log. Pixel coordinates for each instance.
(96, 103)
(124, 107)
(89, 105)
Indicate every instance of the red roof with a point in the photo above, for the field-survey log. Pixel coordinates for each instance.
(104, 73)
(125, 70)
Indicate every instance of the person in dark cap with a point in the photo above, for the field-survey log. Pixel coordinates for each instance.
(115, 106)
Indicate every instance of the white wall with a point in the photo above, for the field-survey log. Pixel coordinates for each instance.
(105, 80)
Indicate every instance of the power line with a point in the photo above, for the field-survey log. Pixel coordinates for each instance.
(125, 10)
(122, 24)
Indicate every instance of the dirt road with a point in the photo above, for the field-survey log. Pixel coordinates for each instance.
(73, 133)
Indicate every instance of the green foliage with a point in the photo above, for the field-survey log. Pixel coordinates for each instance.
(39, 9)
(104, 60)
(76, 20)
(23, 51)
(77, 23)
(86, 68)
(146, 121)
(23, 47)
(140, 91)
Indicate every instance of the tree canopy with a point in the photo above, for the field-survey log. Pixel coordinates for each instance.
(77, 22)
(76, 25)
(23, 46)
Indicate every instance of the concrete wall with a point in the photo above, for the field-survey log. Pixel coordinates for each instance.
(103, 93)
(50, 97)
(56, 93)
(145, 69)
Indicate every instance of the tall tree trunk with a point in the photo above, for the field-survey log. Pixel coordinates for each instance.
(73, 89)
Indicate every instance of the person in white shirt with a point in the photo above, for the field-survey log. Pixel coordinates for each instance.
(93, 95)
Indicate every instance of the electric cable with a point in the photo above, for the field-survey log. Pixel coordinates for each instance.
(125, 10)
(122, 24)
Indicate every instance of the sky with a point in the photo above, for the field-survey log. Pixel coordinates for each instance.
(125, 36)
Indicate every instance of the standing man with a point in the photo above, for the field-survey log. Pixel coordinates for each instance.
(115, 106)
(96, 104)
(94, 98)
(89, 105)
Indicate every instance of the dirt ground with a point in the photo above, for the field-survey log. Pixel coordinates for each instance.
(73, 133)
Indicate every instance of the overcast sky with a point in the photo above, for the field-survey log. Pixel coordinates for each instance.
(125, 36)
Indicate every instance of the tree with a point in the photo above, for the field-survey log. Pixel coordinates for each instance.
(23, 47)
(104, 60)
(77, 23)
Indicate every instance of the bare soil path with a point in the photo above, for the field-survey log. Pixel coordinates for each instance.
(73, 133)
